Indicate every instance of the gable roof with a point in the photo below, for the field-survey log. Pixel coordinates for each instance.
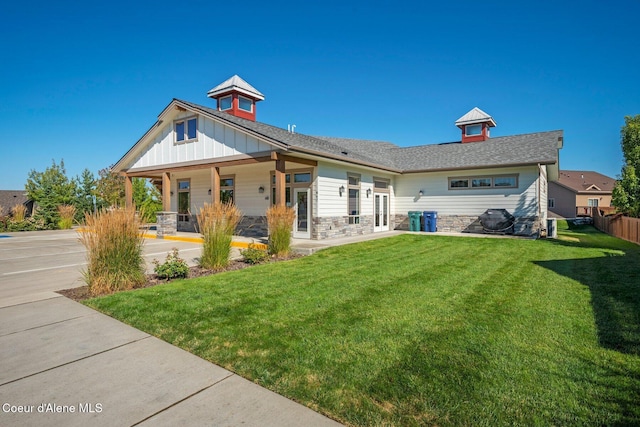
(586, 182)
(516, 150)
(10, 198)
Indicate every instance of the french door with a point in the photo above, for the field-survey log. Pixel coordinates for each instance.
(380, 212)
(302, 208)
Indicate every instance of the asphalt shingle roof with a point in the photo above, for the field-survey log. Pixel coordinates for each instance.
(533, 148)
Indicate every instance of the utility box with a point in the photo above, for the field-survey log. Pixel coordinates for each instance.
(552, 228)
(414, 220)
(430, 221)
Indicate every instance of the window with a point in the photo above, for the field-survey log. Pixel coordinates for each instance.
(354, 199)
(301, 179)
(380, 185)
(186, 130)
(483, 182)
(458, 183)
(472, 130)
(551, 203)
(184, 203)
(245, 104)
(505, 181)
(225, 103)
(592, 202)
(480, 182)
(227, 186)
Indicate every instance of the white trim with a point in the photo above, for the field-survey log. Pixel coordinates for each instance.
(220, 103)
(248, 99)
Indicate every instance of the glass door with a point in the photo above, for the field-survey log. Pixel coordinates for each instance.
(380, 212)
(302, 223)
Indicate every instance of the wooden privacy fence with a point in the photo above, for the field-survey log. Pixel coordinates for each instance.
(617, 225)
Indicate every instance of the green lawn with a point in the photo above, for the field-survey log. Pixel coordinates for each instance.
(423, 330)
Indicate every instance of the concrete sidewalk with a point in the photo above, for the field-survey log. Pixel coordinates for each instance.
(65, 364)
(58, 356)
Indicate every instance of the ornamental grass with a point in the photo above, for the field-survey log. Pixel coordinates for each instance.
(280, 221)
(217, 223)
(67, 213)
(114, 251)
(18, 212)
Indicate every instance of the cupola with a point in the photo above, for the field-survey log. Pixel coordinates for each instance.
(475, 125)
(236, 97)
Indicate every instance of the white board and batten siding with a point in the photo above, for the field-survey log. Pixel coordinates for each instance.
(215, 140)
(521, 201)
(331, 177)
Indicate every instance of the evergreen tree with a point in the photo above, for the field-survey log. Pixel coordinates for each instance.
(109, 189)
(50, 189)
(85, 193)
(626, 193)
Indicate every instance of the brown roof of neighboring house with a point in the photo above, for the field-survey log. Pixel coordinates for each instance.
(586, 181)
(10, 198)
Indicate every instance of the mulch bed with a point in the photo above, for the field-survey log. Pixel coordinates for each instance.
(82, 293)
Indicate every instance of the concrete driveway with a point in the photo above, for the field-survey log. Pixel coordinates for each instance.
(65, 364)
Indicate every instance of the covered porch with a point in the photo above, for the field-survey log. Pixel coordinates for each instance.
(251, 182)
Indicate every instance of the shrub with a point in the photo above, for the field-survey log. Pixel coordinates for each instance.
(173, 267)
(18, 212)
(67, 212)
(280, 221)
(254, 255)
(114, 251)
(29, 224)
(217, 223)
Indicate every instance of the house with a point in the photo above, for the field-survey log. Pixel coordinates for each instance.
(337, 186)
(10, 198)
(576, 193)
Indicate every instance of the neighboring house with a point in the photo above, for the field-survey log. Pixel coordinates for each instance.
(337, 186)
(10, 198)
(576, 193)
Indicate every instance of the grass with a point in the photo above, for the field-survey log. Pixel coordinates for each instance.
(423, 330)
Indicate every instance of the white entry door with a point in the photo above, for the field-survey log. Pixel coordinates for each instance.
(381, 212)
(302, 207)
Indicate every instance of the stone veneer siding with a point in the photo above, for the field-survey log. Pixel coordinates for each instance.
(253, 226)
(524, 226)
(338, 226)
(166, 224)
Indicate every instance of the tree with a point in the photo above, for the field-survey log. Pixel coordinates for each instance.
(110, 188)
(85, 192)
(146, 198)
(50, 189)
(626, 193)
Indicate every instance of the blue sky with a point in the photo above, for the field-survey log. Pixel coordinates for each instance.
(83, 82)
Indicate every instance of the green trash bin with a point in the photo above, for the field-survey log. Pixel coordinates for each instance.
(414, 220)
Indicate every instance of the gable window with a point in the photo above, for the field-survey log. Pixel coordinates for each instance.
(245, 104)
(225, 103)
(354, 198)
(227, 187)
(483, 182)
(551, 203)
(186, 130)
(472, 130)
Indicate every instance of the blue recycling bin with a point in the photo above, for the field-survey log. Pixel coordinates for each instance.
(430, 221)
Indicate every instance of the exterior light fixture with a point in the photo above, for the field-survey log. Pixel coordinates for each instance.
(171, 192)
(368, 192)
(420, 193)
(341, 190)
(209, 191)
(261, 189)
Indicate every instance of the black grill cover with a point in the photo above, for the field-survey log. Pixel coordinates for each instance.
(497, 220)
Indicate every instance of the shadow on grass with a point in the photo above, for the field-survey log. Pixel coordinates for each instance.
(614, 282)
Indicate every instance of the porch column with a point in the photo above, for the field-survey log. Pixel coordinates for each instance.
(215, 185)
(128, 192)
(166, 192)
(280, 183)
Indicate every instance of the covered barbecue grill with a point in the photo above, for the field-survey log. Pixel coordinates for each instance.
(497, 221)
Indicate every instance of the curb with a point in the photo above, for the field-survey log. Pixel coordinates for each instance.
(243, 245)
